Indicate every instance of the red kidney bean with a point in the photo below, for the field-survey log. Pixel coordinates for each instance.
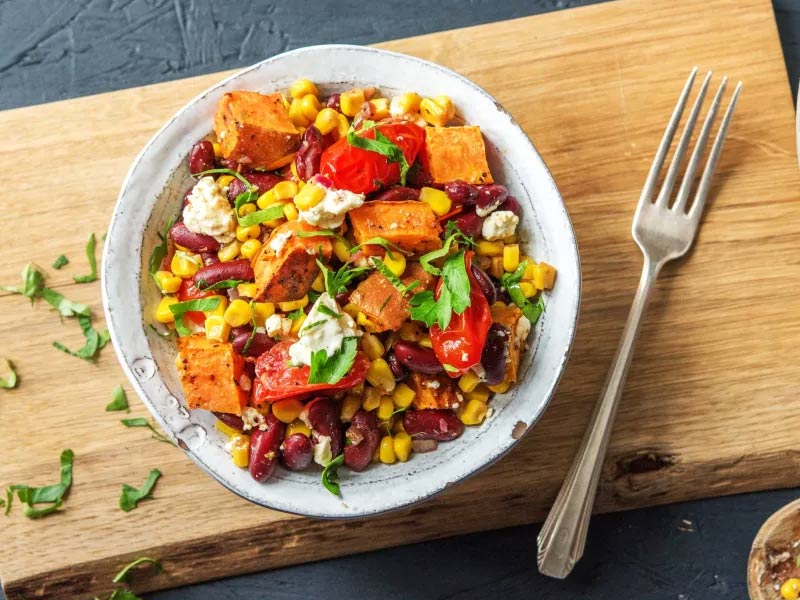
(231, 420)
(469, 223)
(461, 192)
(210, 258)
(240, 330)
(261, 343)
(490, 197)
(398, 370)
(323, 415)
(342, 298)
(262, 181)
(442, 425)
(197, 242)
(417, 359)
(201, 157)
(234, 269)
(265, 448)
(228, 163)
(398, 193)
(511, 204)
(297, 452)
(495, 353)
(486, 284)
(333, 102)
(364, 436)
(309, 154)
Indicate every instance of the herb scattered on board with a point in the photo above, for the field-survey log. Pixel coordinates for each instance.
(10, 382)
(95, 341)
(119, 401)
(331, 370)
(90, 254)
(142, 422)
(124, 575)
(330, 475)
(382, 145)
(511, 281)
(131, 496)
(60, 262)
(52, 496)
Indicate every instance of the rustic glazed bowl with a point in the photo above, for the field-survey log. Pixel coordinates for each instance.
(153, 191)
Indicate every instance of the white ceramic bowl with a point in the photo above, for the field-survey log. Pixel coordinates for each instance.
(153, 191)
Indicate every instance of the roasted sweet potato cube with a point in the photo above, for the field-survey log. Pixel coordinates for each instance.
(410, 224)
(382, 303)
(519, 327)
(286, 265)
(211, 374)
(433, 391)
(453, 153)
(255, 130)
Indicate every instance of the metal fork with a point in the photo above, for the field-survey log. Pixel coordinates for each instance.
(663, 232)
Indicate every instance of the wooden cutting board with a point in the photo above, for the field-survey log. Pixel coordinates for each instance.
(709, 406)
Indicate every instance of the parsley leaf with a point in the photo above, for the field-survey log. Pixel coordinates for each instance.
(119, 401)
(426, 259)
(393, 279)
(122, 576)
(452, 229)
(331, 370)
(203, 286)
(453, 295)
(181, 308)
(90, 254)
(384, 243)
(295, 314)
(142, 422)
(131, 496)
(10, 382)
(337, 282)
(160, 250)
(95, 341)
(456, 281)
(382, 145)
(330, 475)
(52, 495)
(511, 281)
(60, 261)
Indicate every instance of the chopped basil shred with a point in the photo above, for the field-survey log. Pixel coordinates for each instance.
(382, 242)
(160, 250)
(142, 422)
(337, 282)
(181, 308)
(382, 145)
(65, 307)
(32, 283)
(295, 314)
(60, 261)
(122, 576)
(511, 281)
(203, 286)
(50, 495)
(10, 382)
(252, 331)
(330, 475)
(131, 496)
(90, 254)
(119, 401)
(95, 341)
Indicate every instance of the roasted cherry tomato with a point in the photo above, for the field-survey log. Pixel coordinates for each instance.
(460, 345)
(189, 292)
(365, 171)
(278, 379)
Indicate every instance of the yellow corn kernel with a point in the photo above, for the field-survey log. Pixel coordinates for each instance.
(405, 104)
(275, 222)
(226, 430)
(489, 248)
(544, 277)
(217, 329)
(351, 309)
(284, 190)
(439, 202)
(290, 212)
(372, 345)
(380, 108)
(246, 233)
(350, 406)
(163, 313)
(185, 265)
(230, 251)
(293, 169)
(340, 249)
(368, 325)
(342, 127)
(402, 446)
(238, 313)
(217, 150)
(221, 306)
(326, 121)
(528, 289)
(286, 411)
(351, 101)
(512, 239)
(425, 341)
(530, 269)
(468, 381)
(266, 199)
(309, 196)
(380, 375)
(500, 388)
(263, 311)
(386, 451)
(250, 248)
(309, 106)
(410, 331)
(474, 413)
(297, 115)
(499, 304)
(437, 110)
(790, 590)
(510, 258)
(247, 208)
(319, 283)
(293, 304)
(371, 399)
(402, 396)
(303, 87)
(398, 426)
(385, 408)
(395, 262)
(297, 426)
(224, 180)
(240, 450)
(168, 282)
(496, 267)
(248, 290)
(297, 324)
(481, 393)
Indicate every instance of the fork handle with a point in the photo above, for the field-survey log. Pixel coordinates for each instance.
(563, 535)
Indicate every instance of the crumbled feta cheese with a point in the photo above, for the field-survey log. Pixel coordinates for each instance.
(330, 212)
(277, 326)
(432, 384)
(500, 224)
(252, 418)
(278, 241)
(209, 212)
(322, 450)
(322, 331)
(523, 329)
(464, 356)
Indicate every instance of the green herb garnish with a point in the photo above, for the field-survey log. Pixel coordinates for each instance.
(330, 475)
(65, 307)
(451, 229)
(449, 368)
(331, 370)
(272, 212)
(203, 286)
(453, 296)
(51, 495)
(142, 422)
(295, 314)
(159, 251)
(122, 576)
(337, 282)
(511, 281)
(314, 325)
(328, 311)
(383, 243)
(393, 279)
(119, 401)
(92, 276)
(95, 341)
(32, 283)
(131, 496)
(10, 382)
(60, 262)
(382, 145)
(252, 331)
(181, 308)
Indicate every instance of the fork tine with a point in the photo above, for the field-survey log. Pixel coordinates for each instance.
(663, 148)
(683, 144)
(697, 153)
(705, 181)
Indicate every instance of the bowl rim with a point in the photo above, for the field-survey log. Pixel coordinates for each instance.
(445, 482)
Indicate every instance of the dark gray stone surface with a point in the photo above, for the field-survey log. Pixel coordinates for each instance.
(54, 50)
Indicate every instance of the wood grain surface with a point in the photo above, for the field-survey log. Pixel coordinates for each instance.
(707, 409)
